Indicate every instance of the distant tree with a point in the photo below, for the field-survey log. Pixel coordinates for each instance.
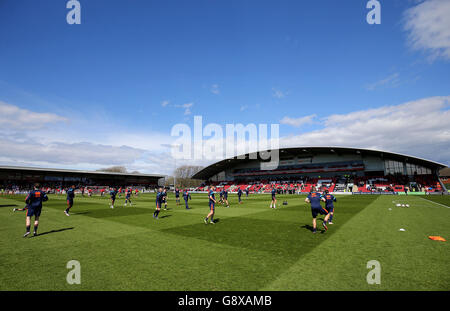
(114, 169)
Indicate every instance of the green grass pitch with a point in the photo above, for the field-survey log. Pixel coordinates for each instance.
(251, 247)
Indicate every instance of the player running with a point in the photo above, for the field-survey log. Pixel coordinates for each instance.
(112, 194)
(273, 203)
(34, 201)
(212, 202)
(159, 201)
(128, 197)
(314, 198)
(70, 197)
(329, 206)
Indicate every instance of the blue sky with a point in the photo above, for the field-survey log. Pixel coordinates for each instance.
(133, 69)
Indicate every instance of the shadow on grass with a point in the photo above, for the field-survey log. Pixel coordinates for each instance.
(8, 205)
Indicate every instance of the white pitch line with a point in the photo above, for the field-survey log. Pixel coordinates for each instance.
(435, 203)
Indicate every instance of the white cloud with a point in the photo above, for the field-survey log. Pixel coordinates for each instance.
(428, 27)
(391, 80)
(215, 89)
(297, 122)
(244, 107)
(13, 117)
(419, 128)
(165, 103)
(36, 138)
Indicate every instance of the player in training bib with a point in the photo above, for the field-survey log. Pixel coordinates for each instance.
(329, 206)
(70, 197)
(34, 201)
(212, 202)
(315, 198)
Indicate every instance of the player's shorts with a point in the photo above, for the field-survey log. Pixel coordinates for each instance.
(34, 211)
(318, 211)
(113, 198)
(128, 196)
(330, 209)
(273, 197)
(70, 201)
(211, 206)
